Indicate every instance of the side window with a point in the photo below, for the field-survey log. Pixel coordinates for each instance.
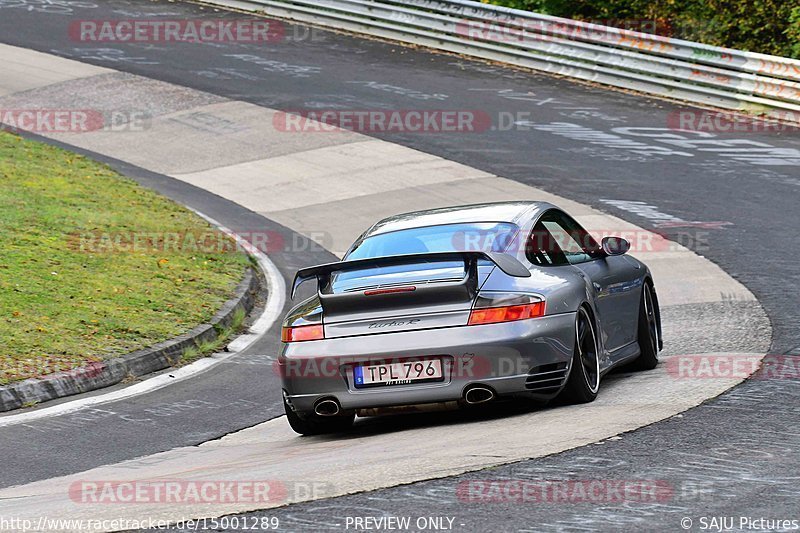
(542, 249)
(576, 243)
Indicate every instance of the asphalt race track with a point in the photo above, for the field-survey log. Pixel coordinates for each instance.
(731, 198)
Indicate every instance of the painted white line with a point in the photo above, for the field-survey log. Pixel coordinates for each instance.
(276, 295)
(276, 298)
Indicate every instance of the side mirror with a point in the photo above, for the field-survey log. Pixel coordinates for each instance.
(615, 245)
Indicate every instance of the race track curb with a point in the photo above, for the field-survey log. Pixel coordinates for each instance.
(141, 362)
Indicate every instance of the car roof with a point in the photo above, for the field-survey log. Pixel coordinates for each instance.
(514, 212)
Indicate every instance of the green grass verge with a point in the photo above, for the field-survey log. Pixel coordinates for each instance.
(74, 285)
(202, 348)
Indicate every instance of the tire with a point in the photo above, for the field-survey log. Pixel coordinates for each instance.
(648, 334)
(311, 424)
(584, 375)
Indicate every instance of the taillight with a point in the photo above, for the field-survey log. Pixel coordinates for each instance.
(312, 332)
(492, 308)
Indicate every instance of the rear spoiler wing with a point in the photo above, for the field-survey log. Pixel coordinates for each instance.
(507, 263)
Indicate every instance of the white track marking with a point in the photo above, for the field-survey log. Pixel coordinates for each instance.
(276, 295)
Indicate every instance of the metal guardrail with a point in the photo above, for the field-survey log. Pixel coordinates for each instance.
(663, 66)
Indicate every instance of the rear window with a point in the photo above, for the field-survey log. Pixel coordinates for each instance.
(423, 271)
(483, 237)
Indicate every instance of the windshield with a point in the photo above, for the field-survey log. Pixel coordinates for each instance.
(484, 237)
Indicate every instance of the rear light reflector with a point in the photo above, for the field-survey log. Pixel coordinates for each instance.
(302, 333)
(493, 315)
(390, 290)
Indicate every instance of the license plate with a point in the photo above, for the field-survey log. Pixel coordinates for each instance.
(398, 373)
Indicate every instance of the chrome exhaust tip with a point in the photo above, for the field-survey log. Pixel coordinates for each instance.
(476, 395)
(327, 407)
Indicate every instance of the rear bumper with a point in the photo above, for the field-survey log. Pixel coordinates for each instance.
(500, 356)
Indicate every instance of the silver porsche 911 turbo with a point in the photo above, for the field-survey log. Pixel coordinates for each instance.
(460, 306)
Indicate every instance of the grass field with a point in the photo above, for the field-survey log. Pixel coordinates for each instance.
(93, 266)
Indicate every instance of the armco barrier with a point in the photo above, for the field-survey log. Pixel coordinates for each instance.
(663, 66)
